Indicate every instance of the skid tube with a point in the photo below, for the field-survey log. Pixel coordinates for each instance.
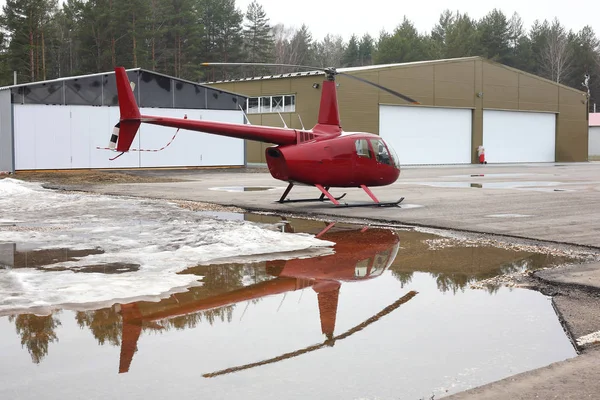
(321, 198)
(325, 195)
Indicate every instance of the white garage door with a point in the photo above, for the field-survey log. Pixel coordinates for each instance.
(427, 135)
(594, 143)
(518, 136)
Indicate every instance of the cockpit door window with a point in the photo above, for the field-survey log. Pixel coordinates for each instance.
(362, 148)
(381, 153)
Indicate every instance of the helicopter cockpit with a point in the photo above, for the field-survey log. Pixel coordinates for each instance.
(375, 266)
(383, 154)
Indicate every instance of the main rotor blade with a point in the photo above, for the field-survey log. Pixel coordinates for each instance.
(331, 71)
(225, 64)
(404, 97)
(318, 346)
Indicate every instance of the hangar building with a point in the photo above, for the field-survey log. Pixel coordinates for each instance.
(465, 103)
(594, 138)
(67, 123)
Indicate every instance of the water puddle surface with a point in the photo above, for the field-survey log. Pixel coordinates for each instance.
(494, 175)
(520, 185)
(101, 295)
(244, 188)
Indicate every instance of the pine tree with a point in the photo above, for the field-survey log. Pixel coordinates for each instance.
(258, 38)
(351, 54)
(222, 39)
(366, 48)
(405, 45)
(25, 22)
(494, 34)
(301, 48)
(178, 34)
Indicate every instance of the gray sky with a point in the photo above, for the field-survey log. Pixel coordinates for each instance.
(371, 16)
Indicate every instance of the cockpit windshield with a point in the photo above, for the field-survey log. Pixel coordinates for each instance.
(394, 157)
(383, 155)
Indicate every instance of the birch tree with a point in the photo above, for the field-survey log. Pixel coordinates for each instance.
(556, 55)
(329, 52)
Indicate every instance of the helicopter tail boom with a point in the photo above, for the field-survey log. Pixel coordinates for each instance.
(131, 119)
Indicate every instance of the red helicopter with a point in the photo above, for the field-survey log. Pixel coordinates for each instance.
(360, 254)
(324, 156)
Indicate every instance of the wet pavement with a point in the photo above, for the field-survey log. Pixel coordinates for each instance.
(381, 312)
(562, 208)
(392, 312)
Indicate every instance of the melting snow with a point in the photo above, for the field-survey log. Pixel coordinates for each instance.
(159, 236)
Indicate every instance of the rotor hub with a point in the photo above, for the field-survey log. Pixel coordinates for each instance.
(330, 73)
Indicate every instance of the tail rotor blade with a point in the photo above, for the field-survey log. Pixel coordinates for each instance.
(404, 97)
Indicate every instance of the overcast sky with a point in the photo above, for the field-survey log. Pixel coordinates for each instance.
(371, 16)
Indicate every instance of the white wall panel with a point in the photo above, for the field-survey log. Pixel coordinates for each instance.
(42, 137)
(190, 148)
(519, 136)
(427, 135)
(59, 137)
(38, 137)
(99, 122)
(594, 141)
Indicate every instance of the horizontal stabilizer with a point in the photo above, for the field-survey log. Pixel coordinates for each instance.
(123, 135)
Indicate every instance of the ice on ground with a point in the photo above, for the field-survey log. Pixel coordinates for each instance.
(160, 237)
(589, 339)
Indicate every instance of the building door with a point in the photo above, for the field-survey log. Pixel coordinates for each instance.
(427, 135)
(519, 136)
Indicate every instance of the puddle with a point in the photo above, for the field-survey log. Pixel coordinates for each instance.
(523, 185)
(491, 175)
(122, 292)
(407, 206)
(509, 215)
(244, 188)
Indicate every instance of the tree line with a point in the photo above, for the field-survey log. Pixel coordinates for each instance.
(42, 39)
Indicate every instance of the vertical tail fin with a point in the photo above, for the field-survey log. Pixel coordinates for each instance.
(129, 122)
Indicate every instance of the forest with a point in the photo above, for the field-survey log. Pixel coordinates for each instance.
(47, 39)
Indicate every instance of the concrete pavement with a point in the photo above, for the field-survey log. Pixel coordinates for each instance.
(547, 202)
(550, 202)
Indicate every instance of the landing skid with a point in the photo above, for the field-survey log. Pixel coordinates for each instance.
(308, 200)
(325, 195)
(380, 204)
(321, 198)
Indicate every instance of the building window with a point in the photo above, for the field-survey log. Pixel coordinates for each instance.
(252, 105)
(271, 104)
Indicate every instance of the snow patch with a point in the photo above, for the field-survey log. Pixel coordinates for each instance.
(161, 237)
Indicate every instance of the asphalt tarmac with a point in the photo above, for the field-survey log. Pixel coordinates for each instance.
(557, 202)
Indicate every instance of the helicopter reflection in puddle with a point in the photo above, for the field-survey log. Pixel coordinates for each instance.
(360, 254)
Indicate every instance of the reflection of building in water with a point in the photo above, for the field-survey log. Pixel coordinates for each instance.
(7, 255)
(12, 256)
(36, 332)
